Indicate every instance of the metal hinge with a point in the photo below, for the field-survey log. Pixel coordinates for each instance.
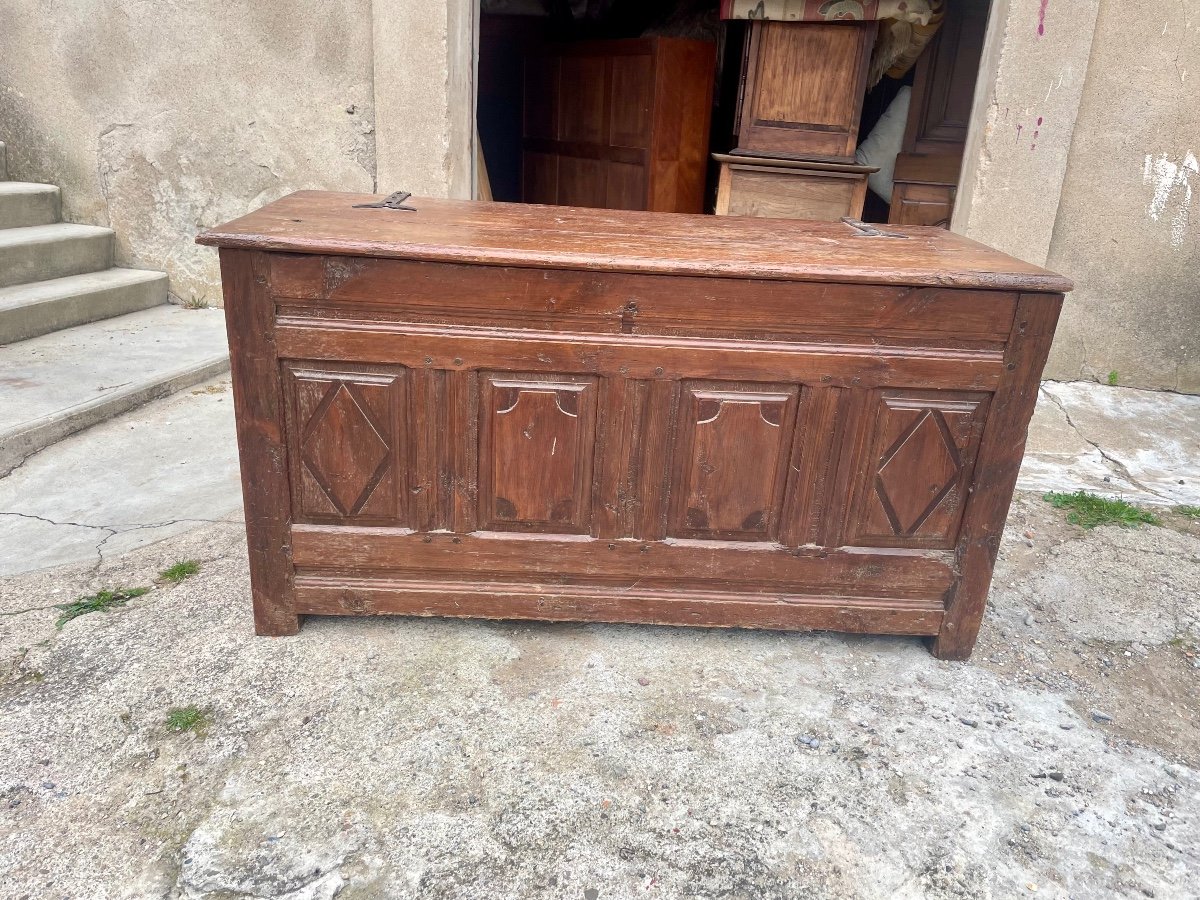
(868, 230)
(391, 201)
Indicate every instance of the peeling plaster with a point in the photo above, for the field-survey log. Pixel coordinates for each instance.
(1171, 180)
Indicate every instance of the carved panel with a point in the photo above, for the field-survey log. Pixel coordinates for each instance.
(920, 457)
(347, 442)
(536, 445)
(731, 460)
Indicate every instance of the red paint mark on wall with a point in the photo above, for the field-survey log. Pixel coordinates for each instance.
(1042, 17)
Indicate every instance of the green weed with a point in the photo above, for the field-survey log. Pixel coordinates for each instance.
(180, 571)
(1087, 510)
(187, 718)
(1112, 378)
(101, 601)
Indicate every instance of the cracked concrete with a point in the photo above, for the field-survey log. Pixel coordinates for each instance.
(450, 759)
(159, 470)
(1142, 446)
(438, 759)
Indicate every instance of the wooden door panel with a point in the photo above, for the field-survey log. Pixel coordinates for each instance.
(630, 99)
(920, 457)
(922, 204)
(582, 182)
(625, 186)
(733, 442)
(582, 99)
(542, 86)
(348, 442)
(804, 88)
(539, 178)
(537, 440)
(806, 74)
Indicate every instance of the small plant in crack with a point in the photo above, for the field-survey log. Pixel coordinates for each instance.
(180, 571)
(1112, 378)
(1088, 511)
(101, 601)
(194, 302)
(187, 718)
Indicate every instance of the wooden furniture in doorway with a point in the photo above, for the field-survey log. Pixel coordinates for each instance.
(790, 189)
(618, 124)
(511, 411)
(802, 89)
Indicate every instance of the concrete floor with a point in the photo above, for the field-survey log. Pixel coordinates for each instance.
(453, 759)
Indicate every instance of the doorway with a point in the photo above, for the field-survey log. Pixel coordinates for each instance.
(907, 125)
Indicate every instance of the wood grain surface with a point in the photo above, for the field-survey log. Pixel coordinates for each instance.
(464, 231)
(452, 414)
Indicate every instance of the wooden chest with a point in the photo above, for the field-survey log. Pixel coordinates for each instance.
(534, 412)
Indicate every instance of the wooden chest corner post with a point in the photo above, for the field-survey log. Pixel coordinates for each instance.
(1000, 454)
(258, 401)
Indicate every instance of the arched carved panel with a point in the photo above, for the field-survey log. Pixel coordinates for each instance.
(921, 456)
(732, 451)
(537, 442)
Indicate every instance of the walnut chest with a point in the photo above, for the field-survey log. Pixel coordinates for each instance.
(531, 412)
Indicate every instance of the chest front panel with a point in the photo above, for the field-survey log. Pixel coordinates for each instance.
(456, 425)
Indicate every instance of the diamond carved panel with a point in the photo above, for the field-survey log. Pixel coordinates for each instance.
(344, 450)
(345, 447)
(922, 452)
(926, 453)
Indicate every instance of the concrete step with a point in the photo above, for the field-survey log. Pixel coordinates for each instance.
(41, 252)
(24, 203)
(29, 310)
(60, 383)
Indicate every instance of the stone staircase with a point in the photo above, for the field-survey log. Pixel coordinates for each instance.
(81, 340)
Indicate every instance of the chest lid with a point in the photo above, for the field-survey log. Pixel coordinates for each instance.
(563, 237)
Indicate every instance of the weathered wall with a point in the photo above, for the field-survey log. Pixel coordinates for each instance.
(424, 61)
(1030, 84)
(1084, 159)
(1128, 227)
(159, 119)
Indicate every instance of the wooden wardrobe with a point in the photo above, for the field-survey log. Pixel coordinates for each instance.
(618, 124)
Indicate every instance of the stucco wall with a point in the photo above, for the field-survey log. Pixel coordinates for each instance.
(1128, 226)
(159, 119)
(1083, 158)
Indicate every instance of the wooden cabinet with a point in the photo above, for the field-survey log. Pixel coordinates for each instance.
(618, 124)
(924, 189)
(803, 87)
(944, 82)
(789, 189)
(505, 411)
(927, 172)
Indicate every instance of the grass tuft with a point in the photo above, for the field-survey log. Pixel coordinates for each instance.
(180, 571)
(101, 601)
(1088, 510)
(1112, 378)
(187, 718)
(195, 302)
(1188, 512)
